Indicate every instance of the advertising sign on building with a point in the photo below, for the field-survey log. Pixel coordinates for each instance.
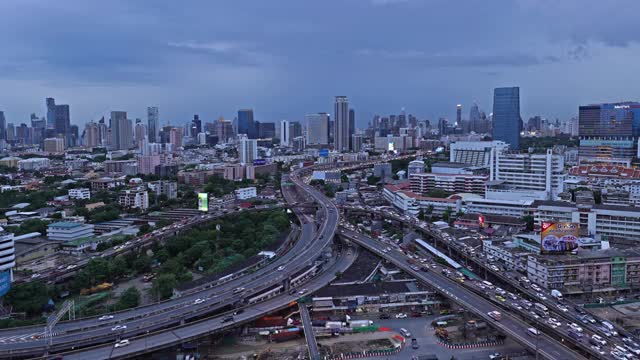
(323, 153)
(5, 282)
(203, 201)
(559, 237)
(259, 162)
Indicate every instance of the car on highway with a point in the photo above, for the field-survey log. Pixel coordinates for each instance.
(238, 290)
(384, 316)
(227, 319)
(119, 327)
(302, 291)
(198, 301)
(563, 308)
(105, 317)
(401, 316)
(554, 322)
(495, 356)
(122, 343)
(575, 327)
(35, 276)
(414, 343)
(280, 268)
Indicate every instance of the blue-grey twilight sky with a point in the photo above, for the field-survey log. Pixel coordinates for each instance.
(286, 58)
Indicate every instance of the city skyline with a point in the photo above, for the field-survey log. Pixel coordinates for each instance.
(212, 68)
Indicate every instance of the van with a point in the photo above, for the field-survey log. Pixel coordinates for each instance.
(405, 332)
(533, 332)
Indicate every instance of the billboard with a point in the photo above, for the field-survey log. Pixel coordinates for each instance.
(5, 282)
(323, 153)
(259, 162)
(203, 201)
(559, 237)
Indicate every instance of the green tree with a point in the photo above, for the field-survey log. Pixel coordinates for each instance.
(446, 216)
(29, 298)
(372, 180)
(130, 298)
(32, 225)
(163, 286)
(529, 221)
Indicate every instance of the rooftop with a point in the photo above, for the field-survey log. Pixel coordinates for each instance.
(66, 225)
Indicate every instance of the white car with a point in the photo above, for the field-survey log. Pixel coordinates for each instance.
(280, 268)
(122, 343)
(575, 327)
(554, 323)
(541, 296)
(401, 316)
(563, 308)
(198, 301)
(35, 276)
(119, 327)
(105, 317)
(72, 266)
(302, 291)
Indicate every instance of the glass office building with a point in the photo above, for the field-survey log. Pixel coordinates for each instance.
(506, 115)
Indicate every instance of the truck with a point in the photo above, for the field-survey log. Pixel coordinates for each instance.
(284, 335)
(360, 323)
(334, 325)
(556, 294)
(495, 315)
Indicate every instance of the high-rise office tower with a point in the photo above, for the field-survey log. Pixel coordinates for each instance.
(247, 150)
(91, 134)
(295, 130)
(474, 119)
(608, 133)
(266, 130)
(139, 133)
(11, 132)
(246, 124)
(3, 126)
(175, 137)
(153, 124)
(317, 129)
(459, 115)
(51, 112)
(506, 115)
(341, 134)
(352, 126)
(196, 126)
(285, 133)
(62, 122)
(224, 130)
(121, 131)
(103, 132)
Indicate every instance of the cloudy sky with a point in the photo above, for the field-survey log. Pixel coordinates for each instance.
(286, 58)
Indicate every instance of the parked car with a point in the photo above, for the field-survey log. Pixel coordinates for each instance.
(401, 316)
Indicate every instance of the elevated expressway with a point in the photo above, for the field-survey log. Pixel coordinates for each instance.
(163, 324)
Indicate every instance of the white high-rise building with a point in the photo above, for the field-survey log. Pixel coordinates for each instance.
(247, 150)
(285, 133)
(317, 129)
(342, 129)
(525, 176)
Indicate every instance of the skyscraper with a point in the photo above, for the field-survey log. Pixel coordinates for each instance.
(608, 132)
(317, 129)
(352, 126)
(247, 150)
(175, 137)
(121, 131)
(3, 126)
(285, 133)
(196, 126)
(51, 112)
(246, 124)
(153, 124)
(474, 119)
(506, 115)
(139, 133)
(342, 130)
(91, 135)
(62, 124)
(459, 115)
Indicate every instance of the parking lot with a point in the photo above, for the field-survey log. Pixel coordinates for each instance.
(421, 330)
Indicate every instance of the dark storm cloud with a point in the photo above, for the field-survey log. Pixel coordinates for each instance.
(214, 57)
